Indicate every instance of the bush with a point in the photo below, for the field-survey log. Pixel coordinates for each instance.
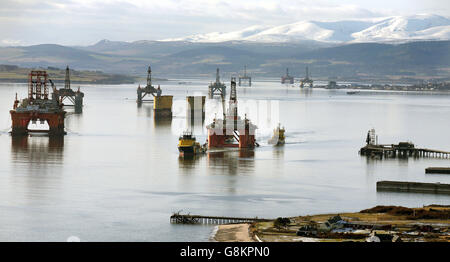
(418, 213)
(281, 222)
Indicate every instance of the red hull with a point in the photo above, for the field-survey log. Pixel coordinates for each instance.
(219, 140)
(20, 121)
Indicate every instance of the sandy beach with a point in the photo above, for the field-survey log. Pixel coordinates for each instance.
(233, 233)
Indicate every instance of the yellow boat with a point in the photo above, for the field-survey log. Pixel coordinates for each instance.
(187, 145)
(278, 136)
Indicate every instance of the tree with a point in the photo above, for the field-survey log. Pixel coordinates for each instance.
(281, 222)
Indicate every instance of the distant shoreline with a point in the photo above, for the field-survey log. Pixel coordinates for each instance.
(24, 81)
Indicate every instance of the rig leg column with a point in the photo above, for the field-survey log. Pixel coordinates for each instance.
(139, 96)
(19, 124)
(56, 124)
(78, 103)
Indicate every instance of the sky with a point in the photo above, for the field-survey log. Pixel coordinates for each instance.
(85, 22)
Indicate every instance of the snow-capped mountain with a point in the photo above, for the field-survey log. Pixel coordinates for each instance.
(396, 28)
(419, 27)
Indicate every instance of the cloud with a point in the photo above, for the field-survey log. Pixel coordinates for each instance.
(11, 42)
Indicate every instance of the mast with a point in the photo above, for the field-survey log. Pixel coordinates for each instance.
(233, 98)
(149, 77)
(67, 79)
(217, 76)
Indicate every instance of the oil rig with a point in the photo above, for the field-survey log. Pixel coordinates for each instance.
(231, 131)
(217, 88)
(287, 78)
(148, 89)
(306, 80)
(245, 79)
(162, 105)
(75, 97)
(38, 106)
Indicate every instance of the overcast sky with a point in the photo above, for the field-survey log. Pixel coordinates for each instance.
(84, 22)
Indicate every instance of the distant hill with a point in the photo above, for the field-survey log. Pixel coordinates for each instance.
(412, 60)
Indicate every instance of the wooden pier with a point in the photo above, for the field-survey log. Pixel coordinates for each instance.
(437, 170)
(413, 187)
(402, 150)
(213, 220)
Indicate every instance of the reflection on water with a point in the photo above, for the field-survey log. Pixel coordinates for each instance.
(188, 161)
(162, 123)
(37, 149)
(307, 91)
(231, 162)
(145, 108)
(278, 152)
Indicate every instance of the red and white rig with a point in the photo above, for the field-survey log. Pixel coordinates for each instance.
(231, 131)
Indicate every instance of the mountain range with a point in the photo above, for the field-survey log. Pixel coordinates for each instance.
(401, 48)
(389, 29)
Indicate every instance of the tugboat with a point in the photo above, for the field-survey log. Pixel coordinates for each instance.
(187, 145)
(278, 136)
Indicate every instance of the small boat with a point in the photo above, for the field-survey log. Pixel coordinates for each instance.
(352, 92)
(278, 136)
(187, 145)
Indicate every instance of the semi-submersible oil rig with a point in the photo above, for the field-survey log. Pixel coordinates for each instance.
(38, 107)
(162, 105)
(75, 98)
(217, 88)
(231, 131)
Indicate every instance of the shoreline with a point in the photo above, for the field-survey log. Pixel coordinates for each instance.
(233, 233)
(384, 223)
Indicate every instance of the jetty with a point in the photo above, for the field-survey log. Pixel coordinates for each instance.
(413, 187)
(177, 218)
(401, 150)
(437, 170)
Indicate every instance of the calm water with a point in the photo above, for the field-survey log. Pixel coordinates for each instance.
(116, 175)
